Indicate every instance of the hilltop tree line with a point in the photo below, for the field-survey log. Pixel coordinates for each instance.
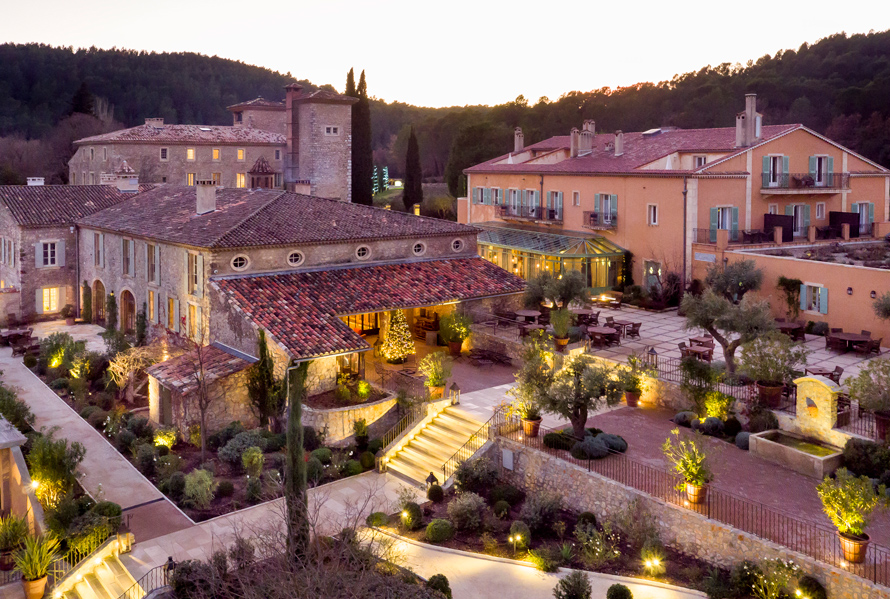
(838, 86)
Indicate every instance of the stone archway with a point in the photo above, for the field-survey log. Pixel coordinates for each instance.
(99, 302)
(128, 312)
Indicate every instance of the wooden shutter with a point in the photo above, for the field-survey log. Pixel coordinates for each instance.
(823, 300)
(614, 207)
(131, 248)
(789, 210)
(803, 297)
(713, 229)
(830, 166)
(784, 165)
(199, 323)
(102, 250)
(871, 212)
(60, 253)
(38, 302)
(765, 181)
(62, 297)
(188, 273)
(147, 273)
(38, 258)
(813, 166)
(806, 217)
(176, 315)
(735, 222)
(199, 265)
(157, 273)
(596, 207)
(854, 208)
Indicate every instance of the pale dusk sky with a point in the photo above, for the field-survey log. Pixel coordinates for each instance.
(450, 53)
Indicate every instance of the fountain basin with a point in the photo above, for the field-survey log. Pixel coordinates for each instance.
(809, 457)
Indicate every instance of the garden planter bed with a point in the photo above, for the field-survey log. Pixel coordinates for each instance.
(328, 400)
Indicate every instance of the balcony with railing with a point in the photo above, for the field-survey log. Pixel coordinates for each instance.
(599, 220)
(736, 236)
(530, 213)
(804, 183)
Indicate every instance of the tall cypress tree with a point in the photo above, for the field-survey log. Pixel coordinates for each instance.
(413, 193)
(362, 153)
(82, 100)
(261, 386)
(295, 497)
(350, 84)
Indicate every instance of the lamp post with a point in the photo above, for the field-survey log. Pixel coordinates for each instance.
(653, 357)
(431, 480)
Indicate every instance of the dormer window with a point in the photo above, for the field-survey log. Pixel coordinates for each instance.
(700, 161)
(239, 116)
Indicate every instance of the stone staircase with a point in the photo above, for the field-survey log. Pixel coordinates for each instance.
(102, 576)
(433, 445)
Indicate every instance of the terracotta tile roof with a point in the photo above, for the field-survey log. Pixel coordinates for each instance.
(261, 217)
(43, 205)
(257, 103)
(180, 373)
(180, 134)
(300, 310)
(323, 95)
(261, 167)
(639, 149)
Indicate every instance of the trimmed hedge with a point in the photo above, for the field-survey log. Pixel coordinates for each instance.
(439, 531)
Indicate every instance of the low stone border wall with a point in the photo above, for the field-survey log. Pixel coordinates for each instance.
(685, 530)
(339, 420)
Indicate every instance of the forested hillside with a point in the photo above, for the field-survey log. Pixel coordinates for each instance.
(839, 86)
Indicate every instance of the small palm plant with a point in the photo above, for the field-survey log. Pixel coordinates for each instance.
(36, 556)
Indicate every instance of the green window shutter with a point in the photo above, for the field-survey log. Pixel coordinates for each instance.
(735, 220)
(830, 165)
(871, 212)
(713, 234)
(803, 297)
(806, 217)
(549, 200)
(614, 203)
(766, 165)
(486, 196)
(812, 166)
(784, 165)
(854, 208)
(596, 204)
(789, 210)
(823, 300)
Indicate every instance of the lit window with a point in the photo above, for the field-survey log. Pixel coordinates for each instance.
(652, 211)
(171, 313)
(457, 245)
(216, 178)
(50, 257)
(295, 258)
(362, 252)
(164, 154)
(190, 153)
(215, 153)
(240, 180)
(151, 305)
(239, 262)
(193, 321)
(240, 154)
(419, 249)
(190, 178)
(51, 299)
(816, 299)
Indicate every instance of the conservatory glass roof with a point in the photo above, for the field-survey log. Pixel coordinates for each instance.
(565, 244)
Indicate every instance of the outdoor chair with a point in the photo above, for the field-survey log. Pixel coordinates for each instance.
(872, 346)
(613, 338)
(835, 344)
(634, 330)
(684, 351)
(610, 320)
(866, 333)
(836, 375)
(799, 334)
(595, 318)
(837, 330)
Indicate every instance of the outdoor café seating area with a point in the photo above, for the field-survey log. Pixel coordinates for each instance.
(21, 340)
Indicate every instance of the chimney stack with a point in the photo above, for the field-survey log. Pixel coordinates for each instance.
(585, 144)
(156, 122)
(35, 181)
(619, 143)
(748, 123)
(576, 141)
(205, 191)
(589, 125)
(518, 140)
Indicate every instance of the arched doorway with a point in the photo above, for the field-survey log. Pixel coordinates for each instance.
(99, 302)
(128, 312)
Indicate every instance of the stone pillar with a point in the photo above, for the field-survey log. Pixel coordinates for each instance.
(816, 406)
(811, 233)
(722, 239)
(845, 231)
(777, 235)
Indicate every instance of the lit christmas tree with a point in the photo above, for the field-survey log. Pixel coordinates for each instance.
(398, 344)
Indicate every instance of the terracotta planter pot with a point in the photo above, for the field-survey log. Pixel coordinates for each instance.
(632, 399)
(770, 395)
(69, 322)
(531, 427)
(454, 347)
(854, 548)
(437, 392)
(696, 493)
(560, 343)
(34, 589)
(6, 561)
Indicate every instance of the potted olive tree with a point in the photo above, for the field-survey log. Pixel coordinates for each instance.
(690, 460)
(771, 361)
(33, 560)
(871, 388)
(13, 532)
(67, 312)
(561, 321)
(436, 367)
(632, 379)
(454, 329)
(848, 502)
(532, 381)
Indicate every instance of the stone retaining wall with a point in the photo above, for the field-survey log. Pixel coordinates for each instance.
(687, 531)
(339, 420)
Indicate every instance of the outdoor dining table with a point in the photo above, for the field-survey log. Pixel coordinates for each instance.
(700, 351)
(788, 326)
(622, 324)
(818, 371)
(582, 311)
(10, 335)
(529, 314)
(602, 330)
(700, 340)
(851, 338)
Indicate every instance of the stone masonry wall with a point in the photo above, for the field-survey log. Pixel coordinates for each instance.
(687, 531)
(326, 160)
(34, 278)
(338, 421)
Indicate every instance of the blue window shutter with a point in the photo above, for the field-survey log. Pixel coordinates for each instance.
(854, 208)
(806, 216)
(789, 210)
(830, 165)
(823, 300)
(549, 200)
(871, 212)
(596, 204)
(735, 220)
(803, 297)
(765, 166)
(812, 165)
(784, 165)
(614, 207)
(713, 235)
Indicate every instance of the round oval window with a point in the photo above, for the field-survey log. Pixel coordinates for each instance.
(295, 258)
(419, 249)
(362, 252)
(457, 245)
(239, 262)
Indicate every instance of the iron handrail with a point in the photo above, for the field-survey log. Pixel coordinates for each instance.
(466, 451)
(156, 578)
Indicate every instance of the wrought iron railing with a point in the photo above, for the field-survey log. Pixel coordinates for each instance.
(154, 579)
(854, 419)
(805, 181)
(415, 414)
(671, 370)
(539, 213)
(81, 548)
(736, 236)
(809, 538)
(599, 220)
(473, 444)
